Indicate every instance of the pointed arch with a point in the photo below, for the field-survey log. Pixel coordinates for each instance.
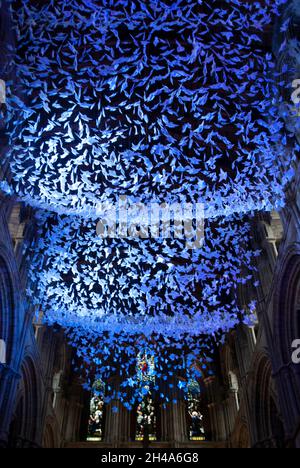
(268, 426)
(244, 441)
(50, 433)
(287, 307)
(25, 426)
(7, 310)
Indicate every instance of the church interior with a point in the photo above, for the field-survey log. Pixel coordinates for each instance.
(144, 341)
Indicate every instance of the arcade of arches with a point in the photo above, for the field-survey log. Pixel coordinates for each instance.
(251, 401)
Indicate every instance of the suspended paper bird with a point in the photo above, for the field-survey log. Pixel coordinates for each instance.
(158, 101)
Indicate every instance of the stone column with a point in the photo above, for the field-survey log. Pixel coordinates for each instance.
(216, 410)
(70, 407)
(8, 384)
(173, 415)
(118, 418)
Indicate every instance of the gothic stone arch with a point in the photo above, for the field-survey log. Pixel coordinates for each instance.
(50, 433)
(8, 317)
(268, 427)
(287, 308)
(286, 328)
(25, 425)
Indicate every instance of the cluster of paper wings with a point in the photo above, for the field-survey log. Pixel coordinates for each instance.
(162, 102)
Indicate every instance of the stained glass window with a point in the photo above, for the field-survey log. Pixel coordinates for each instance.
(96, 419)
(146, 418)
(195, 416)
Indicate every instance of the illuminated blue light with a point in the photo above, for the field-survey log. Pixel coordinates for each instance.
(161, 101)
(169, 101)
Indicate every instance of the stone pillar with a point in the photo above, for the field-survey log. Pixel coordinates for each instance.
(73, 409)
(118, 418)
(8, 384)
(173, 415)
(216, 410)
